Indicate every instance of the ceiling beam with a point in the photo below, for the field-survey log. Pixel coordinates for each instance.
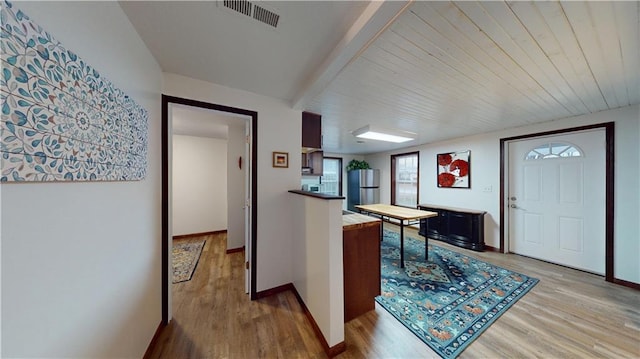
(376, 17)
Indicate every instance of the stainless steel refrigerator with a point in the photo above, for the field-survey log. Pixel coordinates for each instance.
(363, 187)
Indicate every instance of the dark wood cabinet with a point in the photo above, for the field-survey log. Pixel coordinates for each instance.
(361, 261)
(460, 227)
(311, 130)
(312, 155)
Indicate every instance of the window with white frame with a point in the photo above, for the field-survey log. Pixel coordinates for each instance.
(332, 176)
(405, 178)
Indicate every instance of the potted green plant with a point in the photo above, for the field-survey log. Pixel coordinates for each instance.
(358, 165)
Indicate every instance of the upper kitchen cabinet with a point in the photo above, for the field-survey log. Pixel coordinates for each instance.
(311, 144)
(311, 131)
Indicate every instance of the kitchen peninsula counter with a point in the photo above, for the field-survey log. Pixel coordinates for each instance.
(316, 194)
(361, 261)
(316, 248)
(357, 220)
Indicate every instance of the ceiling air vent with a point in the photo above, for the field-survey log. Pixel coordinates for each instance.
(251, 10)
(266, 16)
(241, 6)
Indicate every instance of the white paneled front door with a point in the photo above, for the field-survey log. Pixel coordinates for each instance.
(556, 199)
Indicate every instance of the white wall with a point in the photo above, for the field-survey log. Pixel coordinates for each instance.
(81, 261)
(199, 184)
(317, 258)
(485, 167)
(235, 186)
(279, 129)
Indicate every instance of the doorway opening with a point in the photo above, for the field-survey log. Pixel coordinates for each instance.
(167, 102)
(609, 187)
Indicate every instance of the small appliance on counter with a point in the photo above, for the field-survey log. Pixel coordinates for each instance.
(313, 187)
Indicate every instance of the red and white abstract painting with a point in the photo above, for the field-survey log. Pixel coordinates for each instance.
(454, 169)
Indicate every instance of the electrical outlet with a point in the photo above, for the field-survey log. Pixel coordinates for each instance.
(487, 189)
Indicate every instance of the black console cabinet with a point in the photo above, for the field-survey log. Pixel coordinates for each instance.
(460, 227)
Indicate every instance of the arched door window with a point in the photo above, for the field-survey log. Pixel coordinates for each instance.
(554, 150)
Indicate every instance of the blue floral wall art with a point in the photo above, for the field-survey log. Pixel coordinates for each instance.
(60, 119)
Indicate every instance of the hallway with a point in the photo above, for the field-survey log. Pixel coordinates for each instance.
(214, 318)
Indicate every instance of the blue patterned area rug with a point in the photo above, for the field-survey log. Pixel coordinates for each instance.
(449, 300)
(184, 258)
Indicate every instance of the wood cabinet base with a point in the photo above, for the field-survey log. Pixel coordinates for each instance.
(361, 261)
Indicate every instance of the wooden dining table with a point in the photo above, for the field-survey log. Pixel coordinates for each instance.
(406, 216)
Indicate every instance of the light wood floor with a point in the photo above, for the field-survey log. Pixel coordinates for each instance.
(569, 314)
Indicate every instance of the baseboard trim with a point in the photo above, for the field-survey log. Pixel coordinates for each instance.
(154, 341)
(235, 250)
(276, 290)
(330, 351)
(492, 249)
(190, 235)
(336, 350)
(625, 283)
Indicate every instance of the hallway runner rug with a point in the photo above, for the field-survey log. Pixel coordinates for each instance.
(451, 299)
(185, 257)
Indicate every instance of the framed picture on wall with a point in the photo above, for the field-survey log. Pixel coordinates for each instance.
(281, 159)
(454, 169)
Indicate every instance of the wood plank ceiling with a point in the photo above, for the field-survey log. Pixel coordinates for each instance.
(451, 69)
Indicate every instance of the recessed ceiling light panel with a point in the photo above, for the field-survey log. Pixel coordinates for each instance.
(384, 134)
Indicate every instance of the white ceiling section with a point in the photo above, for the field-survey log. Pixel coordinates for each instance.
(439, 69)
(198, 122)
(206, 41)
(450, 69)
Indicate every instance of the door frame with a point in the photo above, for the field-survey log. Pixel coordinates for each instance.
(166, 100)
(393, 177)
(609, 187)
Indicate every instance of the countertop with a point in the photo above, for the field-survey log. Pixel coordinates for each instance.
(357, 220)
(315, 194)
(452, 209)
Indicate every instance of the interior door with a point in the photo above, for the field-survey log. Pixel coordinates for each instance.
(557, 199)
(247, 206)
